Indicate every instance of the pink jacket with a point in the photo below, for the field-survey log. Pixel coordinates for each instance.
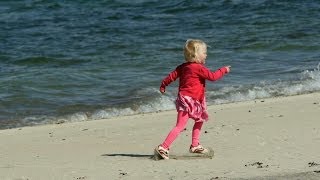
(192, 79)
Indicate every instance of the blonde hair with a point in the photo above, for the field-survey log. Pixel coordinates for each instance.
(192, 49)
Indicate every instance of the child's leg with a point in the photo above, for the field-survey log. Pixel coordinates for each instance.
(196, 133)
(182, 120)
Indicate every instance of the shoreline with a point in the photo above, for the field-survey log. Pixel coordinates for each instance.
(276, 137)
(83, 116)
(86, 116)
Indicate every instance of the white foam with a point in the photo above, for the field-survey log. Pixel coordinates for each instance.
(309, 81)
(111, 112)
(161, 103)
(76, 117)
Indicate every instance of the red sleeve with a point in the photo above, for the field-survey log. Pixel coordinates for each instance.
(170, 78)
(213, 76)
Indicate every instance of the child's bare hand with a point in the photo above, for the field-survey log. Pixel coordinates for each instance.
(162, 90)
(228, 68)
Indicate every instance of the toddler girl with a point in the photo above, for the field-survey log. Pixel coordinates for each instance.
(191, 102)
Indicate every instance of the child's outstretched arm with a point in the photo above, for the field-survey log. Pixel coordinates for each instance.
(215, 75)
(167, 80)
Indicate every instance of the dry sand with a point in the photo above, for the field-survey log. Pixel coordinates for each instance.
(275, 138)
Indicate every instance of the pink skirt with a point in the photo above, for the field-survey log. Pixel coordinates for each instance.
(197, 110)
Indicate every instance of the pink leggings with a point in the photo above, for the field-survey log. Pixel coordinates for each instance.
(182, 120)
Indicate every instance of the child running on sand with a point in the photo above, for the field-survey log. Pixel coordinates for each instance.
(190, 102)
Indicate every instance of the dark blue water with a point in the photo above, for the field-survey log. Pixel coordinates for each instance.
(87, 60)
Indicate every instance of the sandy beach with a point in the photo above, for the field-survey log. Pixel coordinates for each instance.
(276, 138)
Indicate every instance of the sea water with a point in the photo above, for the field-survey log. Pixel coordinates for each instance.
(66, 61)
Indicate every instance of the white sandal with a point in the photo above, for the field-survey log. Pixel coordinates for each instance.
(198, 149)
(164, 153)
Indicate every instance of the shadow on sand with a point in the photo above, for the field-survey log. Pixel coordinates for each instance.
(148, 156)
